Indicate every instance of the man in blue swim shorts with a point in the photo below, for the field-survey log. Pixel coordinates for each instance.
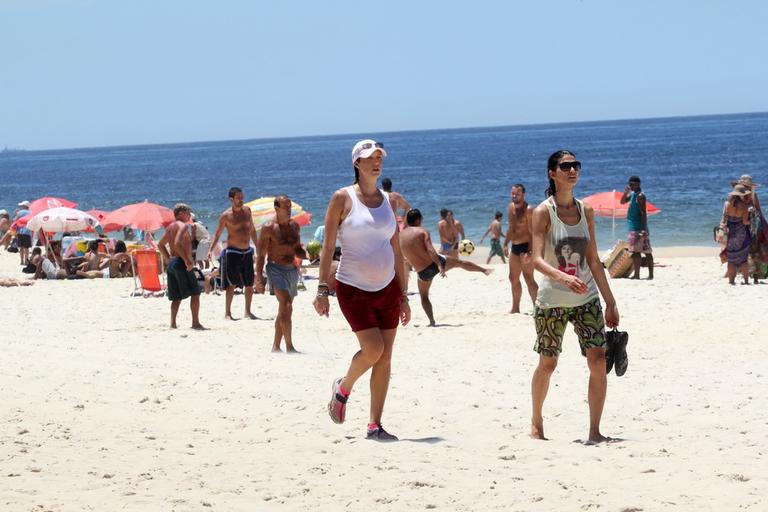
(280, 245)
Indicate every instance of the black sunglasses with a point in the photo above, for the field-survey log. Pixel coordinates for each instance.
(369, 145)
(567, 166)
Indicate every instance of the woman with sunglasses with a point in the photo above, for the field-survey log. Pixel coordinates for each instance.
(570, 296)
(370, 280)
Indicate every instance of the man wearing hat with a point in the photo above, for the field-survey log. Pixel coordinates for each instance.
(637, 224)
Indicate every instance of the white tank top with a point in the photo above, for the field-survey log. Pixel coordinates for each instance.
(565, 248)
(367, 259)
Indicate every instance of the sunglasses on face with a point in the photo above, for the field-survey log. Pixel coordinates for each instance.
(369, 145)
(567, 166)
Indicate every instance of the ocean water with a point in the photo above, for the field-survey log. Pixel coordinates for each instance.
(686, 165)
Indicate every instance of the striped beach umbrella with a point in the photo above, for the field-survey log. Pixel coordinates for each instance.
(263, 210)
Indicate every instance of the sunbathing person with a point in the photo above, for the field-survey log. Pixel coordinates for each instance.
(95, 265)
(11, 281)
(120, 262)
(48, 266)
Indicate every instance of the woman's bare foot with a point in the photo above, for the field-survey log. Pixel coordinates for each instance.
(537, 432)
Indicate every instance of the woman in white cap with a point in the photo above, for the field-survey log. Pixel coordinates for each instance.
(370, 281)
(736, 213)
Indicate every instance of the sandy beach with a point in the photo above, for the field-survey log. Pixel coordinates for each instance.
(106, 408)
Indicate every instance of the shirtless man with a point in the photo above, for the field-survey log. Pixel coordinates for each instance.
(458, 227)
(418, 251)
(182, 282)
(237, 258)
(520, 216)
(494, 228)
(399, 204)
(448, 242)
(280, 243)
(94, 264)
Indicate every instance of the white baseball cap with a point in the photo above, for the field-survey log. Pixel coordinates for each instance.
(3, 212)
(366, 148)
(24, 203)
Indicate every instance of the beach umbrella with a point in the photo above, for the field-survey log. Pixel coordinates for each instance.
(145, 216)
(42, 204)
(263, 210)
(57, 220)
(101, 216)
(608, 204)
(46, 203)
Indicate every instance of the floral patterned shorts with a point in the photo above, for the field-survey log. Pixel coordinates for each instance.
(587, 321)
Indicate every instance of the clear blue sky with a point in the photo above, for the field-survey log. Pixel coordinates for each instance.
(77, 73)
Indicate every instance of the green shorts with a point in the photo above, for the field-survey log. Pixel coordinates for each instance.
(496, 249)
(587, 321)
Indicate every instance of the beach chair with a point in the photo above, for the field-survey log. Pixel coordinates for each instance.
(148, 278)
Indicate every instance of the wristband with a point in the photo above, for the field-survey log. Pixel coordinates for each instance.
(322, 294)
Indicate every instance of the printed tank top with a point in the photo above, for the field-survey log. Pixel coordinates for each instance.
(565, 248)
(367, 259)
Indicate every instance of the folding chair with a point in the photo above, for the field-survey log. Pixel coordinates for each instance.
(146, 265)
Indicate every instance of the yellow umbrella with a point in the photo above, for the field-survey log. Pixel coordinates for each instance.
(263, 210)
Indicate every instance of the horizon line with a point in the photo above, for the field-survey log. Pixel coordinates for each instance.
(334, 135)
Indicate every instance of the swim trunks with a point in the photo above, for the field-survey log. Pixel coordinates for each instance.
(518, 249)
(431, 271)
(283, 277)
(638, 242)
(237, 266)
(587, 321)
(366, 310)
(496, 249)
(182, 283)
(446, 247)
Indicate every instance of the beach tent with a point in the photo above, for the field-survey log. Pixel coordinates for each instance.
(145, 216)
(263, 210)
(608, 204)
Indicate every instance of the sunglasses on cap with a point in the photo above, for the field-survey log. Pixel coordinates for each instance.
(369, 145)
(567, 166)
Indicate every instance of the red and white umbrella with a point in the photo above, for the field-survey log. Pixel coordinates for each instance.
(61, 219)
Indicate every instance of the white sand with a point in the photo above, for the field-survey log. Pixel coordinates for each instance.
(105, 408)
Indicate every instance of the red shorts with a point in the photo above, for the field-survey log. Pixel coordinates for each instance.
(365, 310)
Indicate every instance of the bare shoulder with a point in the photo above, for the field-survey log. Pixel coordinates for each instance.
(588, 211)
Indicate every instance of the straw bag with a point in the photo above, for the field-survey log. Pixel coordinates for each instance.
(720, 232)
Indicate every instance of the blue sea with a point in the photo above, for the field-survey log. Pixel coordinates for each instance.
(686, 165)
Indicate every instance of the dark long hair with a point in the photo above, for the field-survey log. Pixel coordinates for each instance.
(357, 174)
(552, 162)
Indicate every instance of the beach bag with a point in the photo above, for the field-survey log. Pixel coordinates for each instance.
(720, 232)
(616, 352)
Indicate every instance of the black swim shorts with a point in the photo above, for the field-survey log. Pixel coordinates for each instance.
(182, 283)
(518, 249)
(237, 267)
(23, 240)
(431, 271)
